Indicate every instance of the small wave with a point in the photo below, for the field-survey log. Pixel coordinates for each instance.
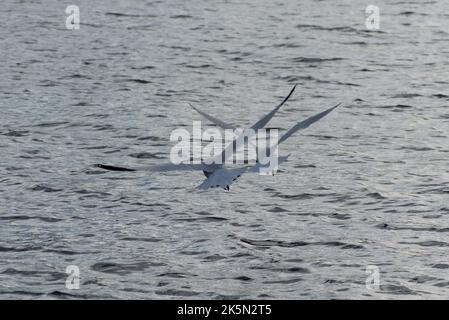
(277, 209)
(387, 226)
(442, 284)
(19, 249)
(419, 149)
(181, 16)
(314, 60)
(76, 76)
(123, 268)
(41, 187)
(18, 217)
(48, 83)
(65, 295)
(143, 68)
(22, 293)
(410, 13)
(93, 25)
(243, 278)
(156, 116)
(286, 281)
(376, 195)
(14, 133)
(82, 104)
(177, 293)
(103, 127)
(441, 266)
(146, 155)
(51, 124)
(396, 289)
(200, 66)
(407, 95)
(304, 166)
(176, 275)
(292, 270)
(202, 219)
(284, 244)
(430, 243)
(440, 96)
(357, 43)
(396, 106)
(48, 275)
(140, 239)
(65, 252)
(215, 257)
(423, 279)
(322, 28)
(130, 15)
(340, 216)
(140, 81)
(287, 45)
(301, 196)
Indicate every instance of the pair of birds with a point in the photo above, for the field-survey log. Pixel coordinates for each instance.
(217, 175)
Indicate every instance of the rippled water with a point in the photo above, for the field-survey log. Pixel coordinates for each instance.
(368, 185)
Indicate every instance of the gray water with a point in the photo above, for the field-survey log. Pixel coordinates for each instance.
(366, 186)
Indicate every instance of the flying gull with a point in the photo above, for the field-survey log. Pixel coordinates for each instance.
(217, 175)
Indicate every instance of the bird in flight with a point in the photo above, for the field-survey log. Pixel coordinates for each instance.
(217, 175)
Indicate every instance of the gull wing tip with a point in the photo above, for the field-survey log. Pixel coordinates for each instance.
(191, 106)
(113, 168)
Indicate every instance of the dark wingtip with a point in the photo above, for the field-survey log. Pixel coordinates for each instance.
(112, 168)
(194, 108)
(289, 95)
(293, 89)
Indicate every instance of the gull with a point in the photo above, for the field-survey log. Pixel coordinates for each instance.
(217, 175)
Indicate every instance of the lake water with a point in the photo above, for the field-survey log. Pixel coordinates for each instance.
(365, 189)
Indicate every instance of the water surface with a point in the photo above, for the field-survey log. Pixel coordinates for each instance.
(368, 185)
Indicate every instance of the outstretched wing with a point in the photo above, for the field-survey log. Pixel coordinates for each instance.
(306, 123)
(262, 122)
(259, 167)
(161, 167)
(258, 125)
(221, 178)
(236, 144)
(214, 120)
